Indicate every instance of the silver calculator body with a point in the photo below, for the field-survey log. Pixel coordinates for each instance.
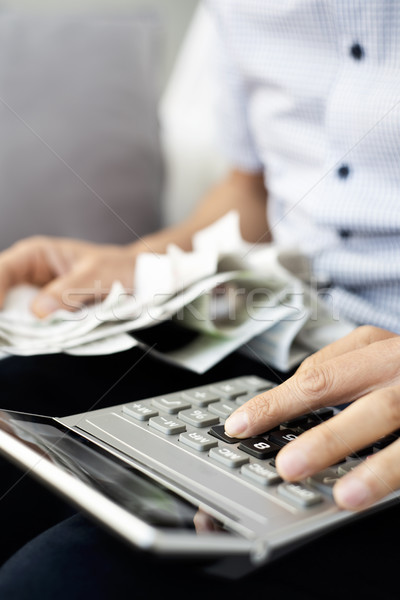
(147, 470)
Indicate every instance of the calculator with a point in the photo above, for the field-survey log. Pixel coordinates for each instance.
(147, 469)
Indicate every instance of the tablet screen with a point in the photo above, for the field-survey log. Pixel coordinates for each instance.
(126, 486)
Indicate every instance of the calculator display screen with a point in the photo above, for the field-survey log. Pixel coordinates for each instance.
(126, 486)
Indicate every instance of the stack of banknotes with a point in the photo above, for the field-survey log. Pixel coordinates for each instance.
(230, 294)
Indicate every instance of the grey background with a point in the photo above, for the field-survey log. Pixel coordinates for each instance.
(175, 16)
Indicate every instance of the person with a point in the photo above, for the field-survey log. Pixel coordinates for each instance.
(309, 113)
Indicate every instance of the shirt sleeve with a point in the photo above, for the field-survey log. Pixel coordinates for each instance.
(232, 103)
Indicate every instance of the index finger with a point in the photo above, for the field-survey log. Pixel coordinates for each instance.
(335, 381)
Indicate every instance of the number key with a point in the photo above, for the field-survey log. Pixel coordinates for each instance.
(282, 436)
(259, 447)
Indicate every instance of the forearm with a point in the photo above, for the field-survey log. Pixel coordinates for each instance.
(243, 192)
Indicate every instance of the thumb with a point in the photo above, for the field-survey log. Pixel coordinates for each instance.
(68, 292)
(44, 304)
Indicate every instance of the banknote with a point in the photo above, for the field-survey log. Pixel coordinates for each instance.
(230, 294)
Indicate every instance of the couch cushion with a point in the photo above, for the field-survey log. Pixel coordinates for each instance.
(79, 146)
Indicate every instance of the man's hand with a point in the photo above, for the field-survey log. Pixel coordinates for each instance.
(362, 368)
(69, 272)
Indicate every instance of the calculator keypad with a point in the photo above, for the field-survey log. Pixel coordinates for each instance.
(194, 420)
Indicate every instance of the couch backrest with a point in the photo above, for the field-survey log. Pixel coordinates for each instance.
(79, 139)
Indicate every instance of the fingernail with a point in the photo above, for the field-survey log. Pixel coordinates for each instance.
(292, 463)
(44, 305)
(237, 423)
(351, 493)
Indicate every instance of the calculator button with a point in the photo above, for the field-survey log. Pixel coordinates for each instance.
(296, 422)
(228, 457)
(309, 420)
(259, 447)
(300, 494)
(348, 466)
(231, 389)
(317, 417)
(223, 409)
(325, 480)
(322, 414)
(240, 400)
(201, 396)
(385, 441)
(167, 425)
(198, 417)
(218, 431)
(362, 452)
(139, 411)
(256, 384)
(198, 441)
(170, 404)
(282, 436)
(263, 474)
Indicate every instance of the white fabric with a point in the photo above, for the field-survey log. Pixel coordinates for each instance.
(193, 158)
(298, 103)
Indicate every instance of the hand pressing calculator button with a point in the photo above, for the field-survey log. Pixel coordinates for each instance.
(186, 448)
(218, 431)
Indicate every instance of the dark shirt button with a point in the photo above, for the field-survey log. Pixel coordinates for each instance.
(344, 233)
(343, 171)
(357, 51)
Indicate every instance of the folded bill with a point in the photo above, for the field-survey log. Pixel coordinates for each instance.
(232, 295)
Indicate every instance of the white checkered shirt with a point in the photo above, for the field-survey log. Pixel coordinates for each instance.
(310, 94)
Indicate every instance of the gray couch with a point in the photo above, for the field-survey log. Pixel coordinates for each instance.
(80, 152)
(107, 119)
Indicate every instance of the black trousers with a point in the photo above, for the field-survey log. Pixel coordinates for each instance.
(49, 552)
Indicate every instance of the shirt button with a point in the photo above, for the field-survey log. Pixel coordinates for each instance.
(357, 51)
(343, 171)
